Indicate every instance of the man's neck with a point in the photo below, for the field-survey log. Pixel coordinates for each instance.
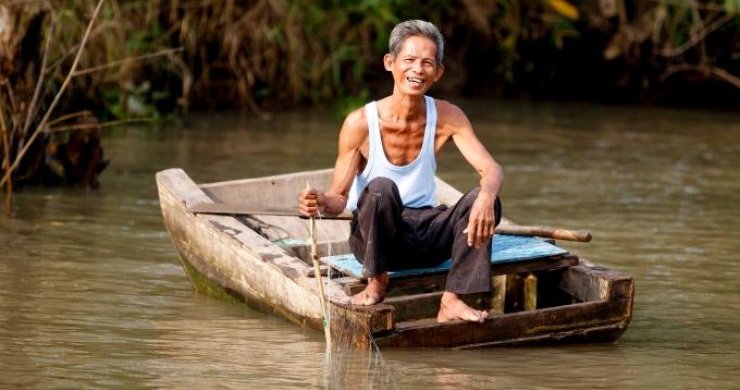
(403, 108)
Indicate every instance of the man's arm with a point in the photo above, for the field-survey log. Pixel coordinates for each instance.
(352, 136)
(482, 221)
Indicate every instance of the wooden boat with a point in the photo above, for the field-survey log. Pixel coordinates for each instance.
(264, 260)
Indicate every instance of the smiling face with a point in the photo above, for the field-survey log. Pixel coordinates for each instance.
(415, 68)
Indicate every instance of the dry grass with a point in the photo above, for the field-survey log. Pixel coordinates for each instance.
(144, 57)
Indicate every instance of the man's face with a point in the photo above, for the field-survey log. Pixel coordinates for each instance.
(415, 67)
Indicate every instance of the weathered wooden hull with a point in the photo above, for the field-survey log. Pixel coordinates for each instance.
(226, 257)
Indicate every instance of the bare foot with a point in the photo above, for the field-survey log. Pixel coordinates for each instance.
(374, 292)
(453, 308)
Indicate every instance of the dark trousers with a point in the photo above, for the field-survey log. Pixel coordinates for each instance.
(385, 236)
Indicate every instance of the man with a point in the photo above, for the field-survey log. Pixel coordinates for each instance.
(385, 170)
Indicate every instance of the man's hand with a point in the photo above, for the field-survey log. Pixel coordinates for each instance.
(311, 202)
(482, 222)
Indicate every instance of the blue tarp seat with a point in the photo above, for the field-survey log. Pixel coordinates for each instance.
(506, 249)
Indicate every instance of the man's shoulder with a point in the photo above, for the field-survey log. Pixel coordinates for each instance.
(355, 127)
(449, 113)
(445, 107)
(356, 119)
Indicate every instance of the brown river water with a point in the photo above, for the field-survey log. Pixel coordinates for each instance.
(92, 294)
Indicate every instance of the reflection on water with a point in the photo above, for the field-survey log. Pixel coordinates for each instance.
(92, 293)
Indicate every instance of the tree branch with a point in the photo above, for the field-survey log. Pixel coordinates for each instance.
(676, 51)
(93, 69)
(717, 72)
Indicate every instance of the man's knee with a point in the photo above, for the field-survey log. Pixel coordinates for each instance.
(381, 190)
(466, 203)
(382, 186)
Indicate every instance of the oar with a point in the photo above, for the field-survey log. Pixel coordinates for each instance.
(237, 209)
(317, 273)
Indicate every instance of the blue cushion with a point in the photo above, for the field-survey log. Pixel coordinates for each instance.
(506, 249)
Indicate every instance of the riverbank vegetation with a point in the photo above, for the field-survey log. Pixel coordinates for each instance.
(144, 59)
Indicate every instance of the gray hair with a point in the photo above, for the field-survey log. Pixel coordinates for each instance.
(410, 28)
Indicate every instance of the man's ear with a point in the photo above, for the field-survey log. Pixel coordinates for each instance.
(388, 61)
(440, 72)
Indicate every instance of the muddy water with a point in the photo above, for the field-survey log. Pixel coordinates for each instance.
(93, 295)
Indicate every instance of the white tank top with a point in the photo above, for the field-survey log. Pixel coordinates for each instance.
(415, 180)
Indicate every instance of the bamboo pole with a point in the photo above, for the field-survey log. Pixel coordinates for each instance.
(319, 282)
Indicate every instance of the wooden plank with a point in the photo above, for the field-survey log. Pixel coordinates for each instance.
(410, 307)
(587, 282)
(276, 190)
(592, 334)
(548, 263)
(552, 323)
(402, 286)
(354, 325)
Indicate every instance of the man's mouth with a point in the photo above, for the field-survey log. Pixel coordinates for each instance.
(413, 80)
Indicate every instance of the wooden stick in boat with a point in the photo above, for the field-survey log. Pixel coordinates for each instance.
(546, 232)
(317, 272)
(237, 209)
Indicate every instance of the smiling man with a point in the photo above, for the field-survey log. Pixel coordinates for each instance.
(385, 172)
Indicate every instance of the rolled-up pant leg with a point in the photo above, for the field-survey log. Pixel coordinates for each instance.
(375, 226)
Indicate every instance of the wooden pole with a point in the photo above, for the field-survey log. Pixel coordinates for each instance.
(547, 232)
(238, 209)
(319, 282)
(530, 292)
(498, 293)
